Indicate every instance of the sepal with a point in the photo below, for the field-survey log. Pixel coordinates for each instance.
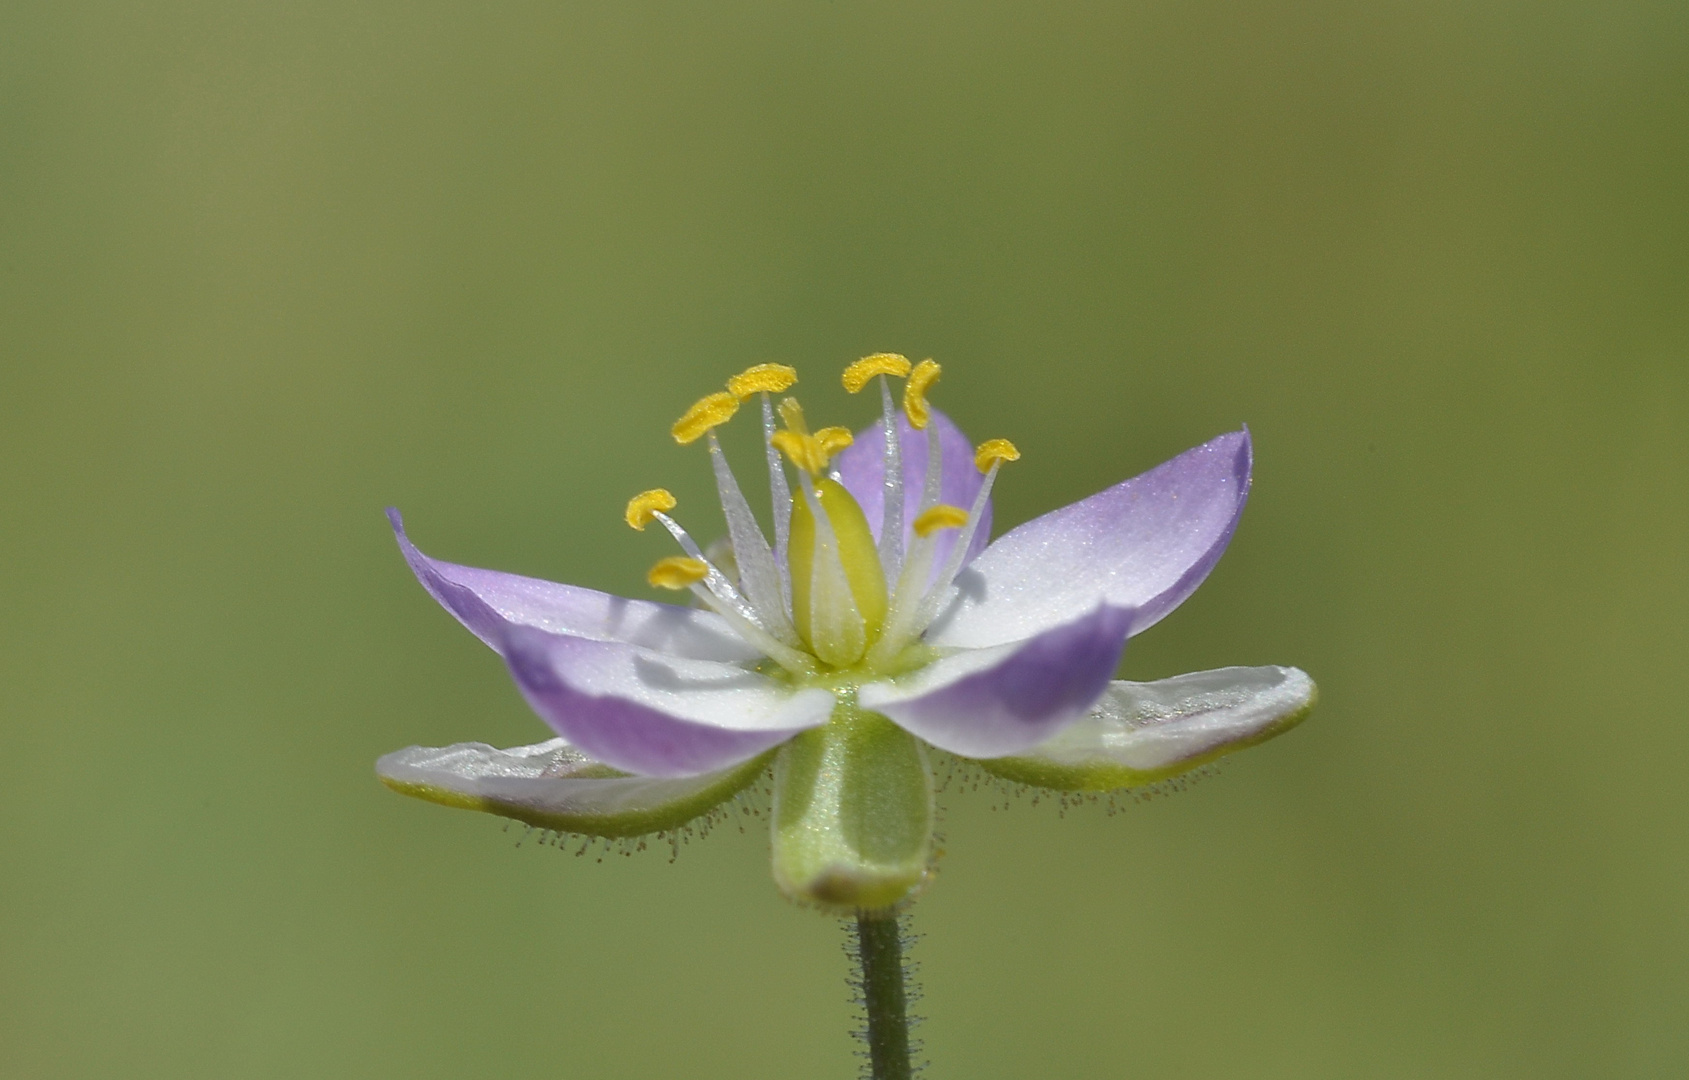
(853, 814)
(552, 785)
(1140, 733)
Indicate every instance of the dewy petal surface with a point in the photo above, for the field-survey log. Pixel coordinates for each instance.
(655, 714)
(1002, 700)
(1143, 732)
(861, 467)
(1145, 544)
(552, 785)
(489, 603)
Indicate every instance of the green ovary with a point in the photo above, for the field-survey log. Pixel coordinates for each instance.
(853, 814)
(817, 615)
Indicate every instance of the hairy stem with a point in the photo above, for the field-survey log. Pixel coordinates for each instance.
(879, 949)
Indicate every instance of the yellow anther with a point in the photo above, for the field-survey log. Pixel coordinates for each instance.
(646, 505)
(856, 376)
(915, 393)
(942, 516)
(991, 451)
(705, 414)
(761, 379)
(791, 413)
(678, 572)
(832, 440)
(804, 450)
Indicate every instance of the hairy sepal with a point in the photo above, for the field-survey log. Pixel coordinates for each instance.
(853, 814)
(1141, 733)
(552, 785)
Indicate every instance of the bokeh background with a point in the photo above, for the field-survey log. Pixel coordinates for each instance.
(268, 268)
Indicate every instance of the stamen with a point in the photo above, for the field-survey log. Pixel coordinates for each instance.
(678, 572)
(928, 611)
(856, 376)
(905, 603)
(717, 582)
(934, 478)
(781, 494)
(915, 393)
(891, 513)
(644, 506)
(942, 516)
(761, 379)
(793, 660)
(758, 575)
(994, 450)
(910, 618)
(707, 412)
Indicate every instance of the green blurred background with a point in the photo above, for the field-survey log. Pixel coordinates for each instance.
(267, 268)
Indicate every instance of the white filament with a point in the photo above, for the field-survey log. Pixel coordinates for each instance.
(940, 588)
(904, 602)
(910, 617)
(758, 575)
(793, 660)
(781, 495)
(891, 517)
(935, 470)
(716, 581)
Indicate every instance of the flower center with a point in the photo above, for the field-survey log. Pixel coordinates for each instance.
(826, 595)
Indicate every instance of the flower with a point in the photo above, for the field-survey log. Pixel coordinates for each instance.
(876, 626)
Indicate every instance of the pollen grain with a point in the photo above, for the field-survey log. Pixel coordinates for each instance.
(678, 572)
(762, 379)
(915, 393)
(992, 451)
(856, 376)
(707, 412)
(942, 516)
(646, 505)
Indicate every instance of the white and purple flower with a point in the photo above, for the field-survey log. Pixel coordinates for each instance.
(877, 624)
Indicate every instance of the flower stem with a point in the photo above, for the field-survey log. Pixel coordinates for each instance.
(885, 998)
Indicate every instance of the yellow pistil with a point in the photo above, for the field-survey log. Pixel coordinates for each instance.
(761, 379)
(707, 412)
(942, 516)
(678, 572)
(915, 393)
(856, 376)
(808, 452)
(791, 413)
(803, 450)
(992, 451)
(642, 508)
(833, 439)
(862, 575)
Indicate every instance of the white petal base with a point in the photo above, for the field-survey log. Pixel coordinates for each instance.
(1140, 733)
(552, 785)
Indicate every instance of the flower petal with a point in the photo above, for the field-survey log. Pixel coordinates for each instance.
(990, 702)
(652, 713)
(1143, 732)
(861, 468)
(552, 785)
(1145, 544)
(489, 602)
